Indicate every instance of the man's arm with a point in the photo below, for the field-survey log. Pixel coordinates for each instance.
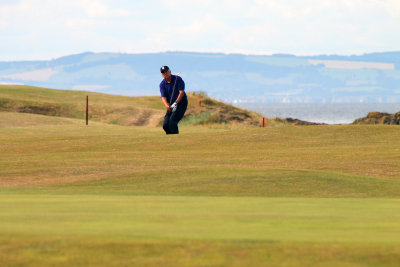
(181, 93)
(181, 88)
(166, 104)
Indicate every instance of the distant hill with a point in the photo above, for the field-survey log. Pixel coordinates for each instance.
(231, 78)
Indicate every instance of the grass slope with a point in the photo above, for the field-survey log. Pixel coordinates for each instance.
(110, 195)
(318, 161)
(120, 110)
(16, 119)
(72, 104)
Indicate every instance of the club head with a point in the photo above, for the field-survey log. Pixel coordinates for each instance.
(178, 74)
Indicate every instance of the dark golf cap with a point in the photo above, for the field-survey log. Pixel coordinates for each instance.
(164, 69)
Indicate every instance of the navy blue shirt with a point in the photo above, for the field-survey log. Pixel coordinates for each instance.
(167, 88)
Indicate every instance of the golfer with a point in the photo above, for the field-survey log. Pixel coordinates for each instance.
(172, 89)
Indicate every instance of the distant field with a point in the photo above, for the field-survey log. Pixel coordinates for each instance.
(217, 195)
(341, 64)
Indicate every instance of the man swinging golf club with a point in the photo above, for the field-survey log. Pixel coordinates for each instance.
(172, 89)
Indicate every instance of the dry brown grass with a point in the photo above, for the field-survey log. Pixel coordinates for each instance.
(120, 110)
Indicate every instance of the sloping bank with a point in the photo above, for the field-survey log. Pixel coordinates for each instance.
(379, 118)
(127, 111)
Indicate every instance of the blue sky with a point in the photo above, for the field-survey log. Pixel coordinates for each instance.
(45, 29)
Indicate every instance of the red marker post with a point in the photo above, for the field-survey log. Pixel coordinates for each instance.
(199, 103)
(263, 122)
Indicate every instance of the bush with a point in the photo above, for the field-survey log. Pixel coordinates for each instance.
(203, 118)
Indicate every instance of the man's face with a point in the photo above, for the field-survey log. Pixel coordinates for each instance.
(167, 75)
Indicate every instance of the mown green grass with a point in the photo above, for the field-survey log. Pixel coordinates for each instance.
(83, 251)
(202, 231)
(107, 195)
(203, 218)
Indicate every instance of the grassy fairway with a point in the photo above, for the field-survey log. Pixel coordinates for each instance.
(204, 218)
(197, 230)
(113, 195)
(315, 161)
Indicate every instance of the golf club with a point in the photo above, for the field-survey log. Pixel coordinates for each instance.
(173, 88)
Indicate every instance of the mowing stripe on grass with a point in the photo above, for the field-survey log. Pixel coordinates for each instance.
(203, 218)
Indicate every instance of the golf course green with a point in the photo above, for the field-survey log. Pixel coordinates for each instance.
(215, 195)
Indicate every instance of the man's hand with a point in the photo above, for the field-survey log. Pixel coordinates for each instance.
(174, 106)
(166, 104)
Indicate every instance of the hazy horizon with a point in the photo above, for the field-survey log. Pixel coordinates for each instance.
(205, 52)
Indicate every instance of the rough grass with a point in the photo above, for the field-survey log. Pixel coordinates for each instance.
(119, 110)
(204, 118)
(105, 108)
(21, 120)
(211, 111)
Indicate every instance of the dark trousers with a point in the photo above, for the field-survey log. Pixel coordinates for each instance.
(171, 119)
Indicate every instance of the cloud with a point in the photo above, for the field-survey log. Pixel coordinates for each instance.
(89, 87)
(97, 9)
(44, 28)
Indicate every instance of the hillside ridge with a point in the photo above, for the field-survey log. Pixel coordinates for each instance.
(119, 110)
(379, 118)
